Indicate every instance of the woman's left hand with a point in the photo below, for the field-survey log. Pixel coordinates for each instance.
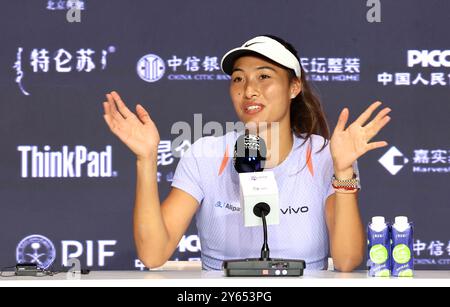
(349, 144)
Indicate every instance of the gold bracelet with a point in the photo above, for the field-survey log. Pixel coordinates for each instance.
(347, 186)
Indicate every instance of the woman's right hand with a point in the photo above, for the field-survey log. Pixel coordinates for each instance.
(139, 132)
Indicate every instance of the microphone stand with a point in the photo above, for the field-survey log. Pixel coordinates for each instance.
(262, 210)
(249, 157)
(264, 266)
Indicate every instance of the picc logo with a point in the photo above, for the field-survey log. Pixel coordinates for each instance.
(426, 58)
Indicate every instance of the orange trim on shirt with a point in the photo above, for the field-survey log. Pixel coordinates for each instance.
(309, 160)
(224, 162)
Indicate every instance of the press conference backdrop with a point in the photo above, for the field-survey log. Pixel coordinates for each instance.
(165, 55)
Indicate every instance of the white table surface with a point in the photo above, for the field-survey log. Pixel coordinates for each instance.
(189, 274)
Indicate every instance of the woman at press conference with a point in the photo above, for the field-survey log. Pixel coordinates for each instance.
(313, 169)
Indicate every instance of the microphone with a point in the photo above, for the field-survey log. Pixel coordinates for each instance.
(256, 186)
(249, 154)
(259, 198)
(249, 158)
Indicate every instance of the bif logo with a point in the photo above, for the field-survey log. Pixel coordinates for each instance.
(41, 251)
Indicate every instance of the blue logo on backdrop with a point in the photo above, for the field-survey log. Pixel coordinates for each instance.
(36, 249)
(59, 5)
(151, 68)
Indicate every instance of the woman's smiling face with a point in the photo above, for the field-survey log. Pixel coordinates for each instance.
(261, 91)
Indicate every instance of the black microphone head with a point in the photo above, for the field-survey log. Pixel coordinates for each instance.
(249, 154)
(261, 208)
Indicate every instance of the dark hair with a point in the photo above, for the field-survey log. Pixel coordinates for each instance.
(306, 113)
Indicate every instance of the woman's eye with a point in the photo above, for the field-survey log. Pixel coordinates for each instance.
(239, 79)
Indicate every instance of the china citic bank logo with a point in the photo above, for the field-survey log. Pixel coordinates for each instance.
(151, 68)
(393, 160)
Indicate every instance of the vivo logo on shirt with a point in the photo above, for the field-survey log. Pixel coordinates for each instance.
(295, 210)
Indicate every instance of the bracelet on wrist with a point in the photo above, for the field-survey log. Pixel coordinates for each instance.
(346, 186)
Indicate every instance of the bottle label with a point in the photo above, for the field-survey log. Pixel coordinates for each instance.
(401, 254)
(378, 254)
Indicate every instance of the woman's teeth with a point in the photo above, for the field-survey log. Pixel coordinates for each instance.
(253, 109)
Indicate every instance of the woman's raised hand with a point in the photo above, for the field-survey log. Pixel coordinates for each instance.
(348, 144)
(137, 131)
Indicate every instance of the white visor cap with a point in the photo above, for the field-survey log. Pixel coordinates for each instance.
(265, 46)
